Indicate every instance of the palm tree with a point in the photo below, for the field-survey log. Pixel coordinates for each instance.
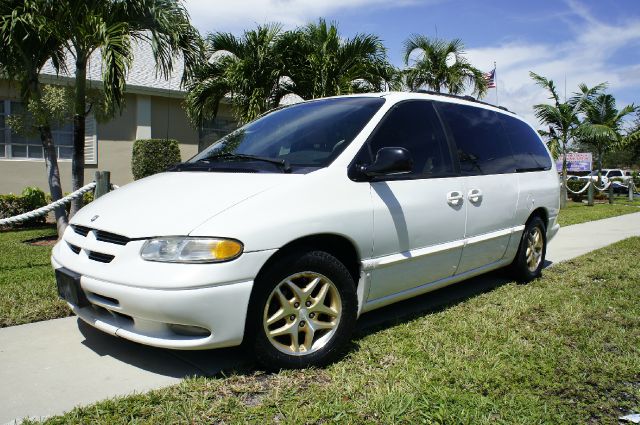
(426, 60)
(326, 64)
(633, 138)
(248, 69)
(112, 27)
(601, 128)
(27, 41)
(562, 118)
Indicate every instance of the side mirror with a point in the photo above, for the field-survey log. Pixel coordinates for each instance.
(389, 161)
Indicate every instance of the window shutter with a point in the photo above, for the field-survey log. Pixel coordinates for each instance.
(90, 141)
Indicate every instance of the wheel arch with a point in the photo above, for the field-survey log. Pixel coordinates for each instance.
(539, 212)
(339, 246)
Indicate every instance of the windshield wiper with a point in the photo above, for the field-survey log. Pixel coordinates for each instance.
(283, 163)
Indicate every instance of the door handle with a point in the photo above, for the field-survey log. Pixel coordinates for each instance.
(454, 197)
(475, 195)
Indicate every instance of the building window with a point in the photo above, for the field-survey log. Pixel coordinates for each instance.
(3, 131)
(20, 146)
(212, 130)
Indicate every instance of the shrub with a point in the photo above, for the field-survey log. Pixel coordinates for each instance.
(576, 185)
(30, 199)
(87, 198)
(34, 198)
(151, 156)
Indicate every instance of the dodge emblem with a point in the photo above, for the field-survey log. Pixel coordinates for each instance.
(94, 218)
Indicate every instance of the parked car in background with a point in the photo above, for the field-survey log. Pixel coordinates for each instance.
(607, 173)
(283, 232)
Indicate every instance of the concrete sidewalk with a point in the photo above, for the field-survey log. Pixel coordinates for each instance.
(574, 241)
(47, 368)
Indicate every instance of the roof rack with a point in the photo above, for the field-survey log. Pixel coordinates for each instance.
(465, 97)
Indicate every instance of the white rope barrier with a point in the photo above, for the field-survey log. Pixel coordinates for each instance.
(595, 186)
(605, 187)
(579, 191)
(47, 208)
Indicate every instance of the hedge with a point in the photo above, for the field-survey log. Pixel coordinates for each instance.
(151, 156)
(30, 199)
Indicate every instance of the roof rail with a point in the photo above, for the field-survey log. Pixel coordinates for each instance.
(465, 97)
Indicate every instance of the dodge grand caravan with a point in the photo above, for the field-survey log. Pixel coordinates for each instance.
(282, 233)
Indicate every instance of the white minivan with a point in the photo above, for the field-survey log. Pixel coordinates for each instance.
(282, 233)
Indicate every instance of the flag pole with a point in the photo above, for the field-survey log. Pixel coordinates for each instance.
(495, 78)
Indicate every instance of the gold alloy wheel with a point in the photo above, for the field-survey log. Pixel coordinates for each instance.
(302, 313)
(535, 243)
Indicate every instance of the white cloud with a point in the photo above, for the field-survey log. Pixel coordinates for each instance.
(238, 15)
(584, 58)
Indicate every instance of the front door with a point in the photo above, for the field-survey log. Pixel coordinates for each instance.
(419, 217)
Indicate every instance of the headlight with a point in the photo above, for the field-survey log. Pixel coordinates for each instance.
(190, 250)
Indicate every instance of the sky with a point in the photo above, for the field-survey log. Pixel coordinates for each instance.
(588, 41)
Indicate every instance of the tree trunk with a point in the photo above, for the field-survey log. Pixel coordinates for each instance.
(53, 175)
(563, 186)
(51, 165)
(600, 154)
(80, 105)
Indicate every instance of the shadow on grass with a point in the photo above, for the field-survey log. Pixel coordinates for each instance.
(225, 361)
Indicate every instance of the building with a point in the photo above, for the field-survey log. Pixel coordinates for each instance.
(152, 109)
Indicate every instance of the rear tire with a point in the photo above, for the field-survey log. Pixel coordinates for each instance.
(529, 260)
(302, 311)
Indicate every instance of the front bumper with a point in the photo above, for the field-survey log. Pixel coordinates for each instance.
(178, 306)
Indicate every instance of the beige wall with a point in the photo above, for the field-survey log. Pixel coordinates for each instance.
(169, 120)
(115, 142)
(15, 175)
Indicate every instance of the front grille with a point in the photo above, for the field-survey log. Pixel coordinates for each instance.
(108, 237)
(81, 230)
(100, 235)
(98, 256)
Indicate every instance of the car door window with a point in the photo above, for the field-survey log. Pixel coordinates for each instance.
(615, 173)
(482, 146)
(413, 125)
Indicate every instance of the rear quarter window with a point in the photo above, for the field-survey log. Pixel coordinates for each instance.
(528, 150)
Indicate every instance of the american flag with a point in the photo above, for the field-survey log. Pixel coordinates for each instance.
(490, 78)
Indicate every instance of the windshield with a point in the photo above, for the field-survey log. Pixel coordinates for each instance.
(310, 134)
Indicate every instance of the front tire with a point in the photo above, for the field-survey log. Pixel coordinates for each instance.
(529, 261)
(302, 312)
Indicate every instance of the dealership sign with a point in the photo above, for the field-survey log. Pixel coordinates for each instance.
(576, 161)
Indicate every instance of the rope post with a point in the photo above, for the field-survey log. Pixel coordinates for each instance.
(630, 184)
(590, 194)
(103, 183)
(610, 193)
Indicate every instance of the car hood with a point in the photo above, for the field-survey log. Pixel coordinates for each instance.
(173, 203)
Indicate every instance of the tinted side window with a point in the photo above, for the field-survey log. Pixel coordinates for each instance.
(615, 173)
(480, 140)
(528, 150)
(414, 125)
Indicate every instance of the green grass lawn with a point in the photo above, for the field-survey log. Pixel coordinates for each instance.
(577, 212)
(27, 283)
(564, 349)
